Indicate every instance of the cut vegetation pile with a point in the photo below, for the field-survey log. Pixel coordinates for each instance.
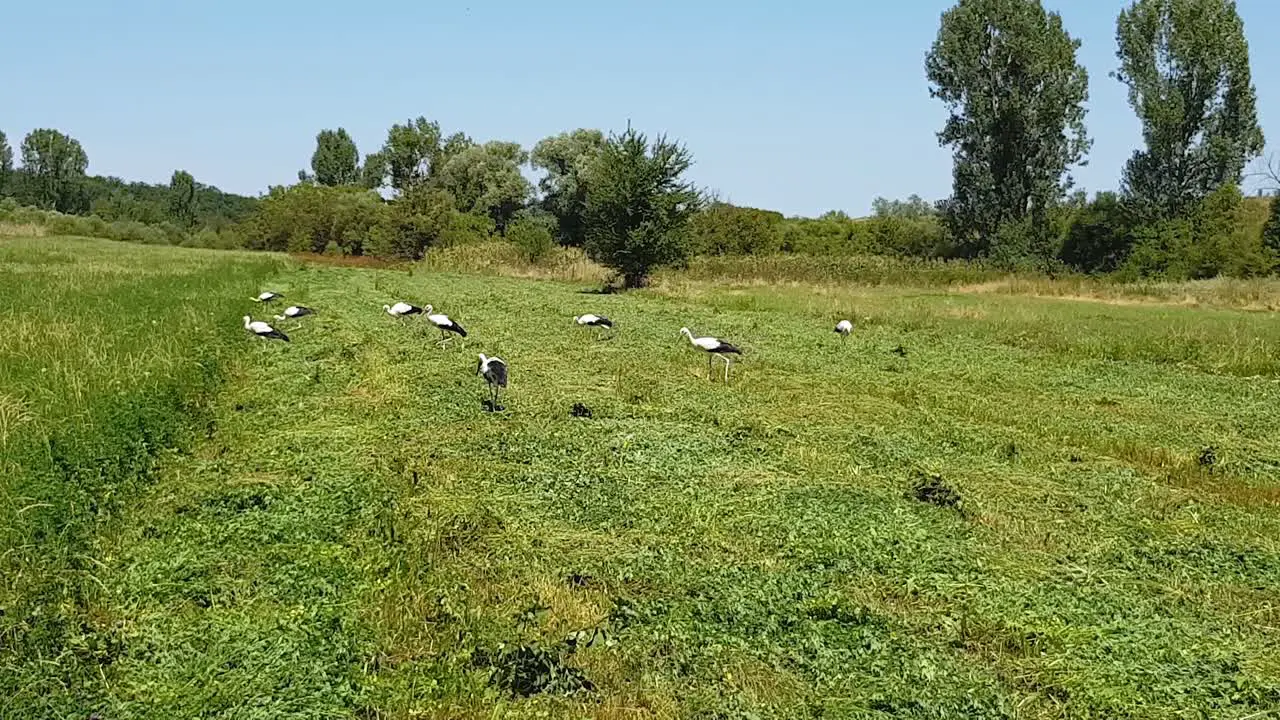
(1020, 519)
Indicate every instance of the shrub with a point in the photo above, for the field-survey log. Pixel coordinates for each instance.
(638, 206)
(724, 229)
(533, 234)
(1100, 236)
(464, 229)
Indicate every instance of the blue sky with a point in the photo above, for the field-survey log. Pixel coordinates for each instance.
(822, 106)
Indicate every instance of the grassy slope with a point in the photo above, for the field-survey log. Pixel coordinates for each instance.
(358, 539)
(106, 353)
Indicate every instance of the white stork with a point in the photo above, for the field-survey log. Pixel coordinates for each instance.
(402, 309)
(713, 348)
(595, 321)
(494, 372)
(263, 330)
(295, 311)
(267, 296)
(844, 327)
(445, 324)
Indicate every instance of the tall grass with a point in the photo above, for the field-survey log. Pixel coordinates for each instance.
(854, 269)
(499, 257)
(108, 353)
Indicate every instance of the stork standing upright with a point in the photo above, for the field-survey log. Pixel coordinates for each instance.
(402, 309)
(267, 296)
(844, 327)
(494, 372)
(714, 348)
(295, 311)
(263, 330)
(595, 321)
(445, 324)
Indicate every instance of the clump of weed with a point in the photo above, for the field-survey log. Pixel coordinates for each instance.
(580, 411)
(531, 669)
(579, 581)
(931, 488)
(1009, 451)
(1208, 457)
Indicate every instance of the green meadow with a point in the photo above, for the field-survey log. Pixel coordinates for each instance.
(990, 501)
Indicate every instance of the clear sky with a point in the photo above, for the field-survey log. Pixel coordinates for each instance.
(821, 106)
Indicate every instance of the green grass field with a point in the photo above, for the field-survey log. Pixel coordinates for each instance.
(1037, 508)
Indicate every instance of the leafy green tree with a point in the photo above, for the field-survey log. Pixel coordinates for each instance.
(336, 160)
(638, 205)
(182, 198)
(1271, 231)
(912, 208)
(56, 165)
(1007, 71)
(413, 153)
(373, 173)
(6, 162)
(486, 179)
(566, 159)
(1186, 64)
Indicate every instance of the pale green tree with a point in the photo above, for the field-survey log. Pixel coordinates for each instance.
(486, 179)
(6, 162)
(565, 158)
(414, 153)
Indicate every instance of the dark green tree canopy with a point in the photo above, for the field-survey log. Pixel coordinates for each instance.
(1007, 71)
(56, 166)
(638, 205)
(1271, 231)
(182, 198)
(1186, 64)
(565, 158)
(336, 160)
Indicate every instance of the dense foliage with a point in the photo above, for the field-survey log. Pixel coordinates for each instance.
(1006, 70)
(1186, 64)
(638, 207)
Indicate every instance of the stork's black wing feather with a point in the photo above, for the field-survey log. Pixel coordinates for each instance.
(455, 327)
(725, 348)
(497, 373)
(277, 335)
(603, 322)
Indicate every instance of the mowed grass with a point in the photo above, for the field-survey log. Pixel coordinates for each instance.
(356, 537)
(107, 354)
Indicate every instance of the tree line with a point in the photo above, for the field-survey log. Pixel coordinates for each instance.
(1007, 70)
